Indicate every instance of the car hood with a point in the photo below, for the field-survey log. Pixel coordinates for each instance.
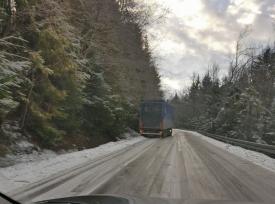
(117, 199)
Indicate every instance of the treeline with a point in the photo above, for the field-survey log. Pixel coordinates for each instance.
(240, 105)
(63, 67)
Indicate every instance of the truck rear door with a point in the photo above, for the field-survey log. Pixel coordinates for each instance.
(151, 115)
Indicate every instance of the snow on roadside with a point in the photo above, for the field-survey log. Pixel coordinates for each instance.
(12, 159)
(252, 156)
(31, 171)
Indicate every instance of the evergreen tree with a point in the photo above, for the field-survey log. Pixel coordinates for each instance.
(42, 104)
(251, 115)
(12, 69)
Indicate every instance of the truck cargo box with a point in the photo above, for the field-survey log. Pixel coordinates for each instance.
(156, 118)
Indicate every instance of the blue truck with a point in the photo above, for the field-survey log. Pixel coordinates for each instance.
(155, 118)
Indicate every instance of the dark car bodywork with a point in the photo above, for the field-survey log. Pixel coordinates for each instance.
(114, 199)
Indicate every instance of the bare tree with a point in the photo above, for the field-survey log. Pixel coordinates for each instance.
(214, 70)
(235, 67)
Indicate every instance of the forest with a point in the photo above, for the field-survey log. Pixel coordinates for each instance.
(73, 72)
(239, 105)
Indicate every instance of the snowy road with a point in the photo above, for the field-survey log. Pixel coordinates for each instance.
(183, 166)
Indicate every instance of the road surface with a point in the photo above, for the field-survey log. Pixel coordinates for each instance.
(183, 166)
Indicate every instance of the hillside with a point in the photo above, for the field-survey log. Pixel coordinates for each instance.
(240, 106)
(121, 50)
(72, 72)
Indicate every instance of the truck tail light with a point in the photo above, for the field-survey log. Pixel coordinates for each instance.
(140, 124)
(141, 127)
(161, 125)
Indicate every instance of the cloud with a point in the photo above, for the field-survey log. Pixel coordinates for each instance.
(197, 33)
(271, 11)
(174, 84)
(245, 11)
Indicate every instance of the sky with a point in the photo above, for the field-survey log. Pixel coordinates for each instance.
(198, 33)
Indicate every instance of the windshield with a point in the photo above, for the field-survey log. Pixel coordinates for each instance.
(144, 99)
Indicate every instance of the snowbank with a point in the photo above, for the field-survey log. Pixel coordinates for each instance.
(255, 157)
(49, 163)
